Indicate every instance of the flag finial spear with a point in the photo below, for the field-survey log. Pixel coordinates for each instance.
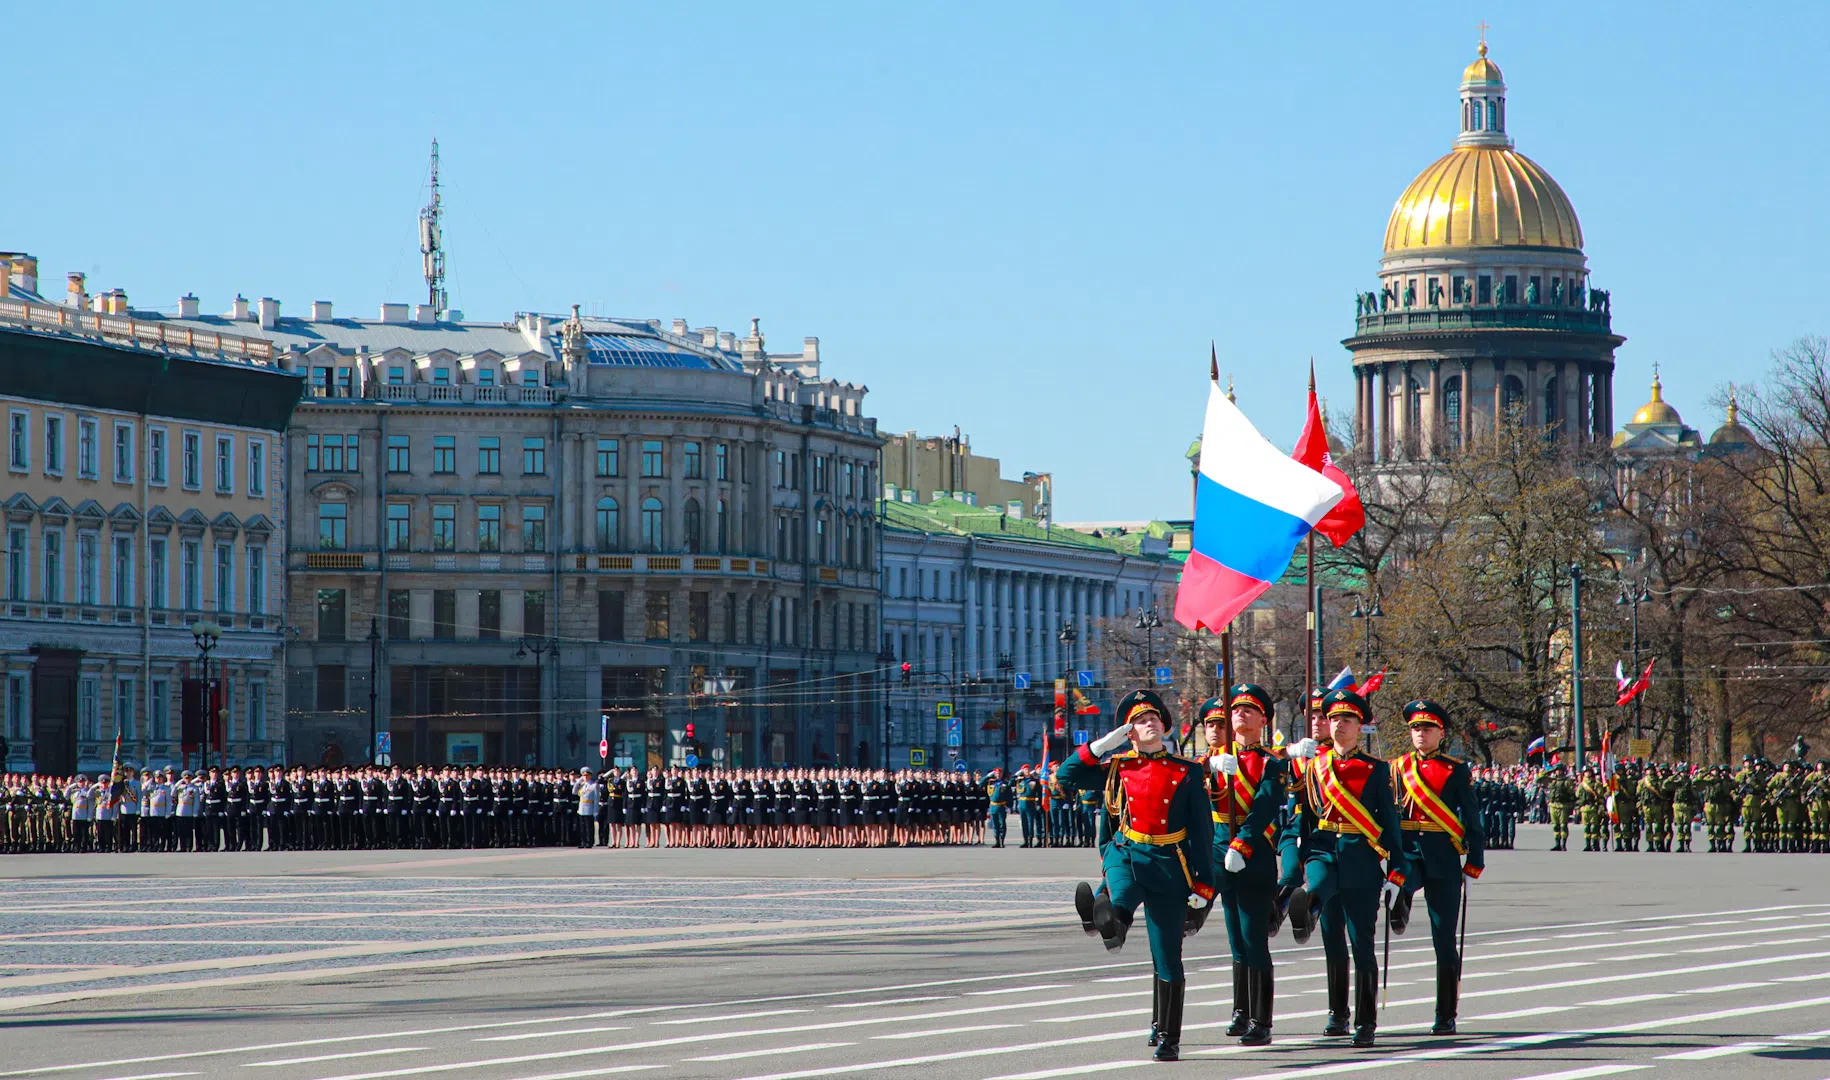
(1213, 361)
(1312, 374)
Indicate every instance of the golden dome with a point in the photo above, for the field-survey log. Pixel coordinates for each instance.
(1482, 70)
(1733, 432)
(1483, 196)
(1657, 411)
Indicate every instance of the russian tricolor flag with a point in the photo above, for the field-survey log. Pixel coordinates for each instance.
(1253, 504)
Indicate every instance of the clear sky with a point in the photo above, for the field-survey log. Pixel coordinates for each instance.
(1027, 220)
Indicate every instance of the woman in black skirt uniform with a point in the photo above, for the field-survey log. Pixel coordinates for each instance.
(724, 811)
(699, 796)
(784, 811)
(673, 810)
(615, 792)
(653, 794)
(745, 793)
(851, 817)
(825, 810)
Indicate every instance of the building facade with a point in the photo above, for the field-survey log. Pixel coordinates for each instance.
(512, 540)
(922, 468)
(973, 597)
(1484, 305)
(146, 492)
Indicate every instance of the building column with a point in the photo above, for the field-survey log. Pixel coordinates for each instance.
(1584, 426)
(1466, 419)
(1534, 396)
(1361, 441)
(970, 623)
(1408, 441)
(1432, 417)
(1384, 410)
(1499, 394)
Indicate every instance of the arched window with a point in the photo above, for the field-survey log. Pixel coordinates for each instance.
(693, 526)
(1451, 408)
(1551, 412)
(851, 540)
(719, 527)
(609, 528)
(653, 530)
(1514, 397)
(821, 531)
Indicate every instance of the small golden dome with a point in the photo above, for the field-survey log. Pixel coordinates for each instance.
(1657, 411)
(1733, 432)
(1482, 70)
(1483, 196)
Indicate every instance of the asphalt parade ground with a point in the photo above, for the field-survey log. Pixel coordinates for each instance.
(947, 963)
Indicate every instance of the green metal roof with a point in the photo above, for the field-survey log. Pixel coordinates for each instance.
(961, 519)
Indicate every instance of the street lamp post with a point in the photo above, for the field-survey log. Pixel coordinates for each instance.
(207, 634)
(885, 659)
(1149, 622)
(1635, 596)
(1575, 660)
(1004, 669)
(540, 647)
(374, 669)
(1361, 611)
(1068, 635)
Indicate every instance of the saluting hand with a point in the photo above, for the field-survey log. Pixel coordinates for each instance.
(1112, 740)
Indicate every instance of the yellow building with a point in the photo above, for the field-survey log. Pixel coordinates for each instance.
(142, 493)
(924, 468)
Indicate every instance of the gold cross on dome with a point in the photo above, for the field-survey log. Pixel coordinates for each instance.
(1483, 28)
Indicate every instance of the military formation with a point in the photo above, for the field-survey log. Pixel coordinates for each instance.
(304, 809)
(1657, 807)
(1321, 834)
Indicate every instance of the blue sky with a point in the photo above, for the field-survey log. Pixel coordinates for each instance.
(1024, 219)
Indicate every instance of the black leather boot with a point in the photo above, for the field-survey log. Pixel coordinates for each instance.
(1302, 921)
(1258, 984)
(1169, 1047)
(1365, 1006)
(1337, 997)
(1111, 923)
(1083, 906)
(1242, 1001)
(1448, 988)
(1156, 1010)
(1400, 916)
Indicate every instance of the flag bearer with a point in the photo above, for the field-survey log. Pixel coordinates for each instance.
(1443, 844)
(1353, 859)
(1162, 856)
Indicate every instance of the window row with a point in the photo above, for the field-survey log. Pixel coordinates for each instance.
(751, 621)
(437, 620)
(845, 541)
(827, 474)
(339, 381)
(125, 451)
(156, 709)
(198, 574)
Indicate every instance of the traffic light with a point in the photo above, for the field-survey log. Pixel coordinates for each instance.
(907, 670)
(689, 731)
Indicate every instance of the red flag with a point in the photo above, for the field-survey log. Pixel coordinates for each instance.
(1637, 686)
(1372, 683)
(1349, 515)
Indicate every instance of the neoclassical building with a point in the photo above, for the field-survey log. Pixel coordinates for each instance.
(1484, 304)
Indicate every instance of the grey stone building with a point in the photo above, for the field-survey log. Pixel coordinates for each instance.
(524, 528)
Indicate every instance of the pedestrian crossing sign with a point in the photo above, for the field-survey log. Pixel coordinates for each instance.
(917, 757)
(943, 710)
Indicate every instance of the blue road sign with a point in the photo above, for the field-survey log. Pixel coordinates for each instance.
(692, 761)
(1085, 679)
(953, 739)
(959, 766)
(1022, 680)
(1082, 737)
(953, 727)
(917, 757)
(384, 742)
(1164, 677)
(1220, 673)
(943, 710)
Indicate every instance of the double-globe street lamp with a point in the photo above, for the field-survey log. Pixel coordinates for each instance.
(1149, 622)
(1636, 595)
(541, 648)
(207, 634)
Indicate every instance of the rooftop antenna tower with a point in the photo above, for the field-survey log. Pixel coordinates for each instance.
(432, 247)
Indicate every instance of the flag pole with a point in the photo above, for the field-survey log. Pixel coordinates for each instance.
(1226, 707)
(1309, 672)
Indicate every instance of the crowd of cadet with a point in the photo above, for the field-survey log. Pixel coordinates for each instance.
(1777, 808)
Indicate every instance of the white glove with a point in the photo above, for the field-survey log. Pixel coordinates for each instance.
(1227, 764)
(1197, 901)
(1304, 748)
(1388, 893)
(1235, 862)
(1111, 741)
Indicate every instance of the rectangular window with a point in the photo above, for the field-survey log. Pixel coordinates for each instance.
(257, 710)
(332, 460)
(400, 527)
(15, 564)
(489, 455)
(332, 615)
(333, 526)
(123, 452)
(155, 572)
(87, 570)
(489, 615)
(444, 453)
(1537, 288)
(444, 527)
(155, 456)
(486, 376)
(845, 478)
(1512, 288)
(530, 377)
(441, 376)
(533, 528)
(124, 709)
(656, 616)
(721, 462)
(400, 454)
(609, 615)
(400, 614)
(19, 440)
(53, 445)
(397, 376)
(225, 464)
(193, 460)
(225, 577)
(16, 717)
(444, 614)
(87, 452)
(819, 473)
(533, 613)
(332, 688)
(159, 710)
(608, 455)
(89, 709)
(781, 468)
(122, 577)
(489, 528)
(1485, 294)
(653, 460)
(257, 466)
(190, 575)
(533, 457)
(698, 616)
(346, 382)
(257, 580)
(694, 462)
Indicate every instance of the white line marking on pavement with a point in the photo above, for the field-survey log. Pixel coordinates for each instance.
(1724, 988)
(1631, 999)
(943, 1031)
(1075, 1070)
(1639, 956)
(335, 1057)
(1586, 1074)
(733, 1016)
(606, 1071)
(1542, 1010)
(1805, 1036)
(1720, 1014)
(1564, 964)
(801, 1049)
(1804, 978)
(152, 1076)
(1017, 989)
(1406, 1059)
(1718, 1051)
(903, 1001)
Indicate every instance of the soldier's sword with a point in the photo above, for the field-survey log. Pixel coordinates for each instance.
(1385, 968)
(1461, 947)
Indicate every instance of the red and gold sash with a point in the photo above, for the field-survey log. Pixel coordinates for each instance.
(1335, 792)
(1424, 799)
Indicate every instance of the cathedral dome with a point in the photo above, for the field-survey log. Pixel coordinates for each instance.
(1658, 410)
(1733, 432)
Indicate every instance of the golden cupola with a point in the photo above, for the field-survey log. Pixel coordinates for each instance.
(1483, 193)
(1658, 410)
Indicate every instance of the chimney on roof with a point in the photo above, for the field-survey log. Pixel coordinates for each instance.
(15, 266)
(270, 312)
(187, 306)
(680, 327)
(76, 289)
(114, 302)
(238, 310)
(708, 337)
(393, 313)
(425, 313)
(320, 311)
(727, 341)
(810, 350)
